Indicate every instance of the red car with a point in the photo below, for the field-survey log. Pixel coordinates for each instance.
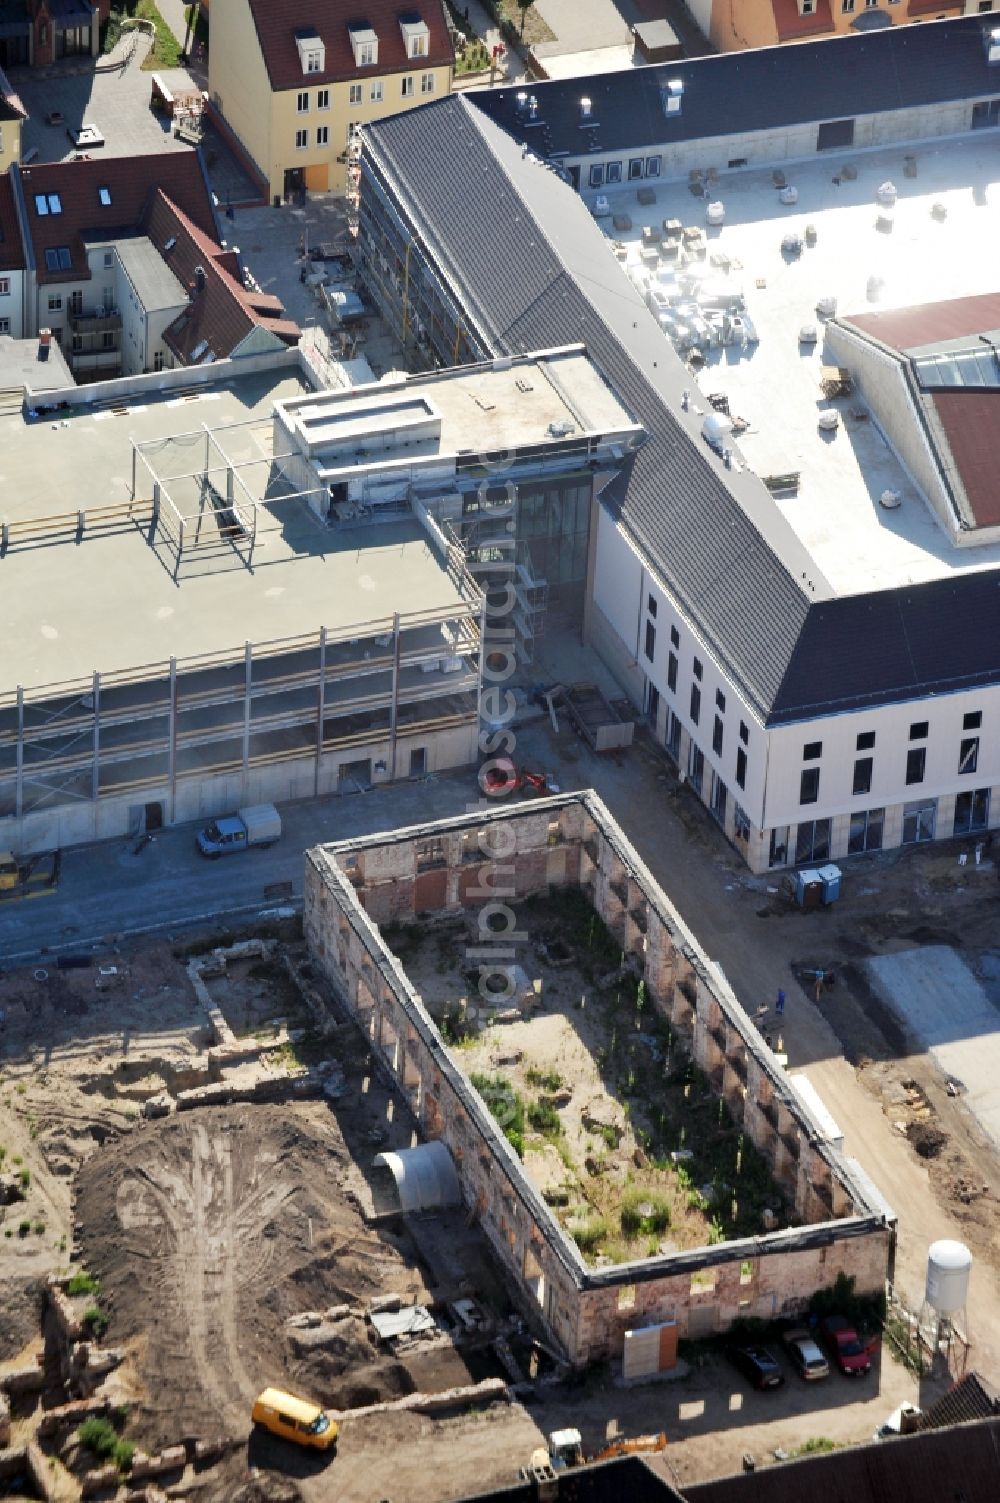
(845, 1347)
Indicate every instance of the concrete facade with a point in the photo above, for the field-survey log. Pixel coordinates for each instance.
(353, 888)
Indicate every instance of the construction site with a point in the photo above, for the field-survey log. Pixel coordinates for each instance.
(581, 1222)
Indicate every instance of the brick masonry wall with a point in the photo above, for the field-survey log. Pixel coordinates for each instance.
(353, 887)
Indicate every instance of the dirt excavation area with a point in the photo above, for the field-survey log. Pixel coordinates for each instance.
(187, 1218)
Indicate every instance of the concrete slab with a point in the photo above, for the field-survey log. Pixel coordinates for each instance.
(594, 60)
(944, 1005)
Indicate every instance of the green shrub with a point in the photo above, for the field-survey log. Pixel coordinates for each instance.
(505, 1105)
(23, 1227)
(95, 1321)
(548, 1080)
(644, 1213)
(589, 1235)
(83, 1283)
(100, 1436)
(25, 1178)
(544, 1118)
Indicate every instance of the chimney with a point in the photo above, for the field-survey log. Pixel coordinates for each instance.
(672, 96)
(585, 108)
(199, 279)
(522, 102)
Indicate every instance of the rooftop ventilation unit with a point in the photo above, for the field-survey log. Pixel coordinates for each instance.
(532, 107)
(673, 93)
(522, 102)
(993, 45)
(585, 108)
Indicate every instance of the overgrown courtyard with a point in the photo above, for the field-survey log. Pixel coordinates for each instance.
(621, 1133)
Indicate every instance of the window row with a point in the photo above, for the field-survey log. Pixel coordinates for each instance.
(322, 137)
(916, 769)
(919, 731)
(611, 172)
(322, 100)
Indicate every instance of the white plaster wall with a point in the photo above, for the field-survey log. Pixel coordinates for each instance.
(891, 725)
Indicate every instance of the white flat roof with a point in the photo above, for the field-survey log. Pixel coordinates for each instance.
(856, 543)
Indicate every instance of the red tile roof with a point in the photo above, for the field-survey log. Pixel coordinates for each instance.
(928, 323)
(222, 313)
(971, 421)
(277, 22)
(793, 27)
(11, 248)
(131, 181)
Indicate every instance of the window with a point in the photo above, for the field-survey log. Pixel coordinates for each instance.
(778, 849)
(808, 6)
(698, 670)
(322, 135)
(48, 203)
(720, 700)
(158, 360)
(650, 640)
(4, 325)
(717, 737)
(109, 259)
(744, 733)
(301, 140)
(865, 833)
(918, 730)
(812, 751)
(651, 606)
(846, 6)
(417, 45)
(108, 339)
(652, 702)
(104, 194)
(355, 93)
(862, 775)
(407, 88)
(835, 135)
(367, 54)
(972, 811)
(77, 343)
(870, 4)
(972, 721)
(741, 767)
(427, 83)
(4, 286)
(695, 704)
(634, 169)
(675, 637)
(809, 785)
(918, 822)
(55, 304)
(916, 760)
(718, 798)
(672, 672)
(322, 99)
(673, 736)
(741, 822)
(968, 754)
(376, 91)
(312, 62)
(696, 767)
(302, 102)
(812, 842)
(596, 175)
(614, 172)
(866, 740)
(652, 166)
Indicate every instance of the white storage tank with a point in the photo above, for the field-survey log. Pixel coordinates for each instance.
(948, 1267)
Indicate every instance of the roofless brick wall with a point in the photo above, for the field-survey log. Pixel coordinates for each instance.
(452, 865)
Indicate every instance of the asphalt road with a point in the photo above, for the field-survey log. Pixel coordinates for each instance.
(106, 890)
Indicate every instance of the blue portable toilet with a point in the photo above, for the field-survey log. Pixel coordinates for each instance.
(830, 877)
(808, 888)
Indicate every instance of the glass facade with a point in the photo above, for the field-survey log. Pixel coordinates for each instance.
(553, 521)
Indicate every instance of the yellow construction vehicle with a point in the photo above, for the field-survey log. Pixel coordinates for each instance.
(626, 1447)
(28, 876)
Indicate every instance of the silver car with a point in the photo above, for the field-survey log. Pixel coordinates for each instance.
(805, 1355)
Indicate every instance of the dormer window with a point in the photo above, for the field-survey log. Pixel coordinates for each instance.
(416, 37)
(365, 45)
(48, 203)
(312, 52)
(808, 7)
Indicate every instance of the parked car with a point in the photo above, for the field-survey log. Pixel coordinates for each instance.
(845, 1347)
(258, 825)
(295, 1419)
(805, 1355)
(757, 1364)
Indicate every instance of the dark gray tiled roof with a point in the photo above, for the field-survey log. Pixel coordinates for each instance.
(535, 272)
(831, 79)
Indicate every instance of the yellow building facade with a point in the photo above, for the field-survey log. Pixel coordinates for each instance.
(293, 87)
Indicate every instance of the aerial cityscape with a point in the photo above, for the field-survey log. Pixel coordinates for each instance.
(500, 751)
